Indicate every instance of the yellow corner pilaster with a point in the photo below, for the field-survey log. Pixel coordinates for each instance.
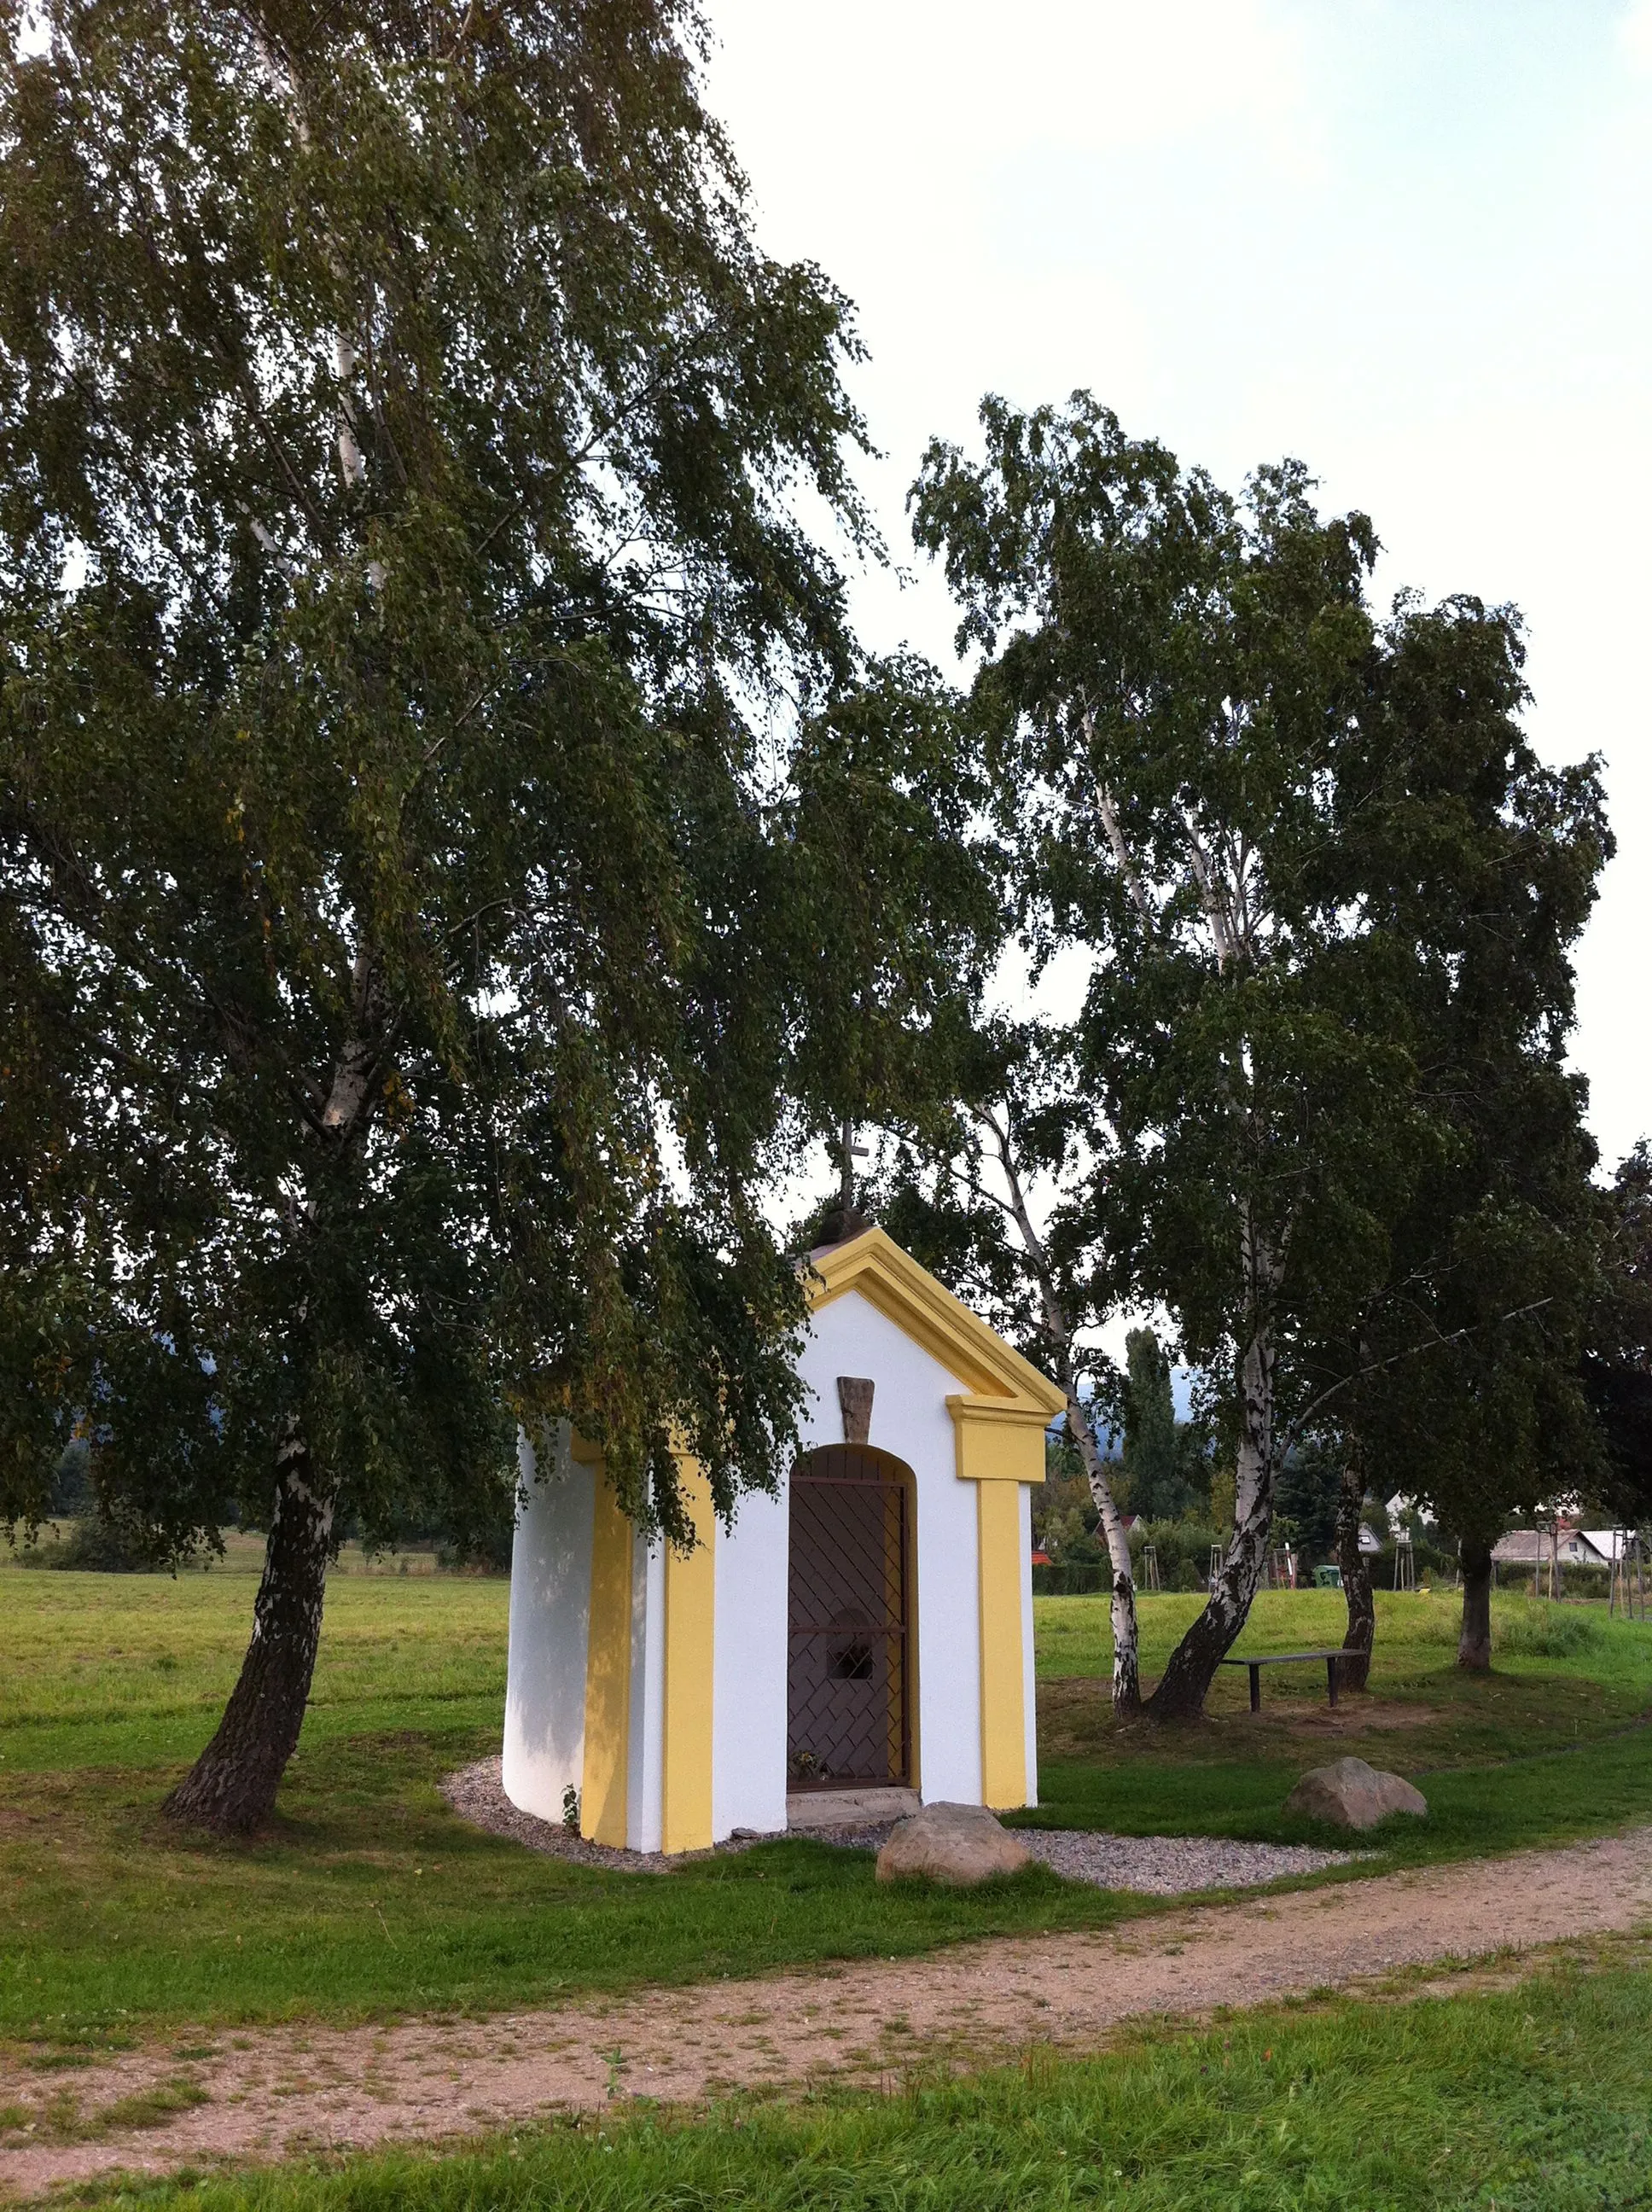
(1002, 1709)
(608, 1673)
(1000, 1444)
(690, 1610)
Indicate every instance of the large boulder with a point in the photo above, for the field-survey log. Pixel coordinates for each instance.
(959, 1845)
(1348, 1794)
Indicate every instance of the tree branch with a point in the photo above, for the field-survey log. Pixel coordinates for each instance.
(1437, 1343)
(1109, 815)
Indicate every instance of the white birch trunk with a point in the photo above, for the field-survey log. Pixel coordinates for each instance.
(1186, 1683)
(1126, 1660)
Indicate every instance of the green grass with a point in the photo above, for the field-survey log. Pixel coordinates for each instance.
(1563, 1676)
(1529, 2100)
(133, 1670)
(1417, 1642)
(370, 1898)
(1517, 1804)
(1548, 1747)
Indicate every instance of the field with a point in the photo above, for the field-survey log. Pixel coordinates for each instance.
(371, 1899)
(1552, 1744)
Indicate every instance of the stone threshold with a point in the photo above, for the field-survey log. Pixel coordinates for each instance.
(813, 1810)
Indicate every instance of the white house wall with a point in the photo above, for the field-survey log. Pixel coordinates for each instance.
(549, 1631)
(550, 1606)
(748, 1737)
(909, 1417)
(646, 1751)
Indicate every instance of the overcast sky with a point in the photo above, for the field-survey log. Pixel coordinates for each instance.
(1406, 239)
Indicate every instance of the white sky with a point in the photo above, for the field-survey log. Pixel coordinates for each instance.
(1406, 239)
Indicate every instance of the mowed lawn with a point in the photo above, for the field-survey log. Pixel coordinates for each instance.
(1553, 1745)
(370, 1898)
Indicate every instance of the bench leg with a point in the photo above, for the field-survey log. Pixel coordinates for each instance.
(1255, 1674)
(1331, 1677)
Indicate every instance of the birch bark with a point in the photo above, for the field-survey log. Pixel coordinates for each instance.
(1126, 1660)
(231, 1787)
(1186, 1680)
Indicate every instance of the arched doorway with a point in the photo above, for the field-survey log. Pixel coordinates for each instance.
(849, 1691)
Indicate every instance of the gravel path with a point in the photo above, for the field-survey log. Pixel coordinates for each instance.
(274, 2091)
(1156, 1866)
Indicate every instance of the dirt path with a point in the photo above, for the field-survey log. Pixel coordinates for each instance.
(277, 2090)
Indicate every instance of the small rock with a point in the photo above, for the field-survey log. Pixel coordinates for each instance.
(1348, 1794)
(959, 1845)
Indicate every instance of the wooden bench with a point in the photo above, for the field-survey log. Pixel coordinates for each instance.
(1287, 1659)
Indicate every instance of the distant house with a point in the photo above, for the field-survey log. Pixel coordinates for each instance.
(1611, 1543)
(1534, 1547)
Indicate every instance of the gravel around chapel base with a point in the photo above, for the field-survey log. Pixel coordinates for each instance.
(1167, 1866)
(1155, 1866)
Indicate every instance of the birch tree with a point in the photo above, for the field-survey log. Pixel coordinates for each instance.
(398, 563)
(1617, 1363)
(1169, 683)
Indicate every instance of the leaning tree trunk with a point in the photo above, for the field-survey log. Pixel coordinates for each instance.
(1354, 1671)
(1474, 1644)
(1127, 1663)
(231, 1787)
(1186, 1682)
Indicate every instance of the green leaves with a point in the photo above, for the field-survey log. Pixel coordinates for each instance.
(894, 912)
(1458, 1378)
(1176, 691)
(399, 428)
(1322, 896)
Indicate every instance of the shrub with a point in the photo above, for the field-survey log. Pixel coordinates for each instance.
(91, 1546)
(1183, 1549)
(1071, 1578)
(1426, 1559)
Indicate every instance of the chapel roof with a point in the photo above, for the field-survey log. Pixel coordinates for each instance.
(891, 1280)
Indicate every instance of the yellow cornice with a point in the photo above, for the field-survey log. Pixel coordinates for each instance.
(892, 1280)
(993, 1413)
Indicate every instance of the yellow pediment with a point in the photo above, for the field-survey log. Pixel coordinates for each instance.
(926, 1311)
